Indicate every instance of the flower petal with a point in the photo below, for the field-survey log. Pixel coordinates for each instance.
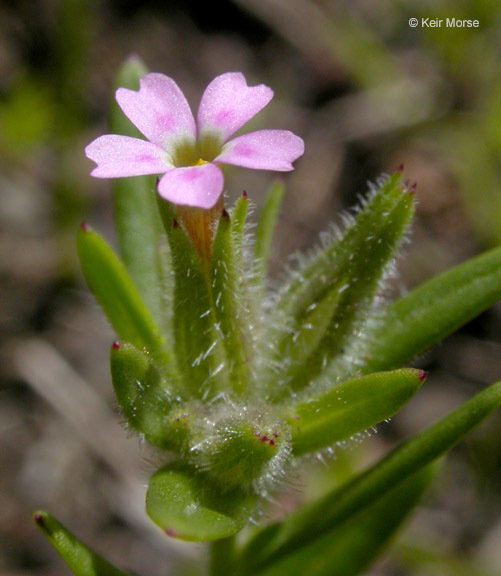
(263, 150)
(159, 110)
(228, 103)
(119, 156)
(198, 186)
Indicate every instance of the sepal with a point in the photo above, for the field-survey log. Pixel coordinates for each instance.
(197, 345)
(228, 302)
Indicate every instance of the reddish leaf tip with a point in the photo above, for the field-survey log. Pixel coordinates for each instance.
(224, 214)
(422, 375)
(85, 227)
(39, 519)
(400, 167)
(245, 195)
(170, 532)
(116, 345)
(175, 223)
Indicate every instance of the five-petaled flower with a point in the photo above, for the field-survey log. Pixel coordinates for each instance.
(185, 151)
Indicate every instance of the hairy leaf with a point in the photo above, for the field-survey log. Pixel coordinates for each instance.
(434, 310)
(228, 303)
(350, 407)
(265, 229)
(316, 519)
(145, 394)
(341, 280)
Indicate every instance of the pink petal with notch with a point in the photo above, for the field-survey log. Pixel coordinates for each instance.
(228, 103)
(119, 156)
(198, 186)
(159, 110)
(263, 150)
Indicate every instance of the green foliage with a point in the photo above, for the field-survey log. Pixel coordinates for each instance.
(328, 302)
(80, 559)
(264, 232)
(352, 545)
(116, 293)
(434, 310)
(144, 393)
(228, 414)
(230, 315)
(352, 406)
(191, 509)
(237, 382)
(311, 521)
(215, 388)
(203, 399)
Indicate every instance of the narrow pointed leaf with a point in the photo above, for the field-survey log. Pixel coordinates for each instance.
(114, 290)
(341, 280)
(197, 344)
(353, 406)
(309, 523)
(187, 506)
(229, 305)
(434, 310)
(265, 229)
(81, 560)
(145, 394)
(238, 218)
(137, 222)
(353, 545)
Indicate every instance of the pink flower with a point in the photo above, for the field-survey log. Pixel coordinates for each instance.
(188, 152)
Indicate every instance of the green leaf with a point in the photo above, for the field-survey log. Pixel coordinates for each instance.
(314, 520)
(241, 450)
(80, 559)
(265, 229)
(238, 218)
(228, 304)
(114, 290)
(145, 394)
(353, 545)
(137, 222)
(355, 405)
(434, 310)
(197, 345)
(187, 506)
(341, 281)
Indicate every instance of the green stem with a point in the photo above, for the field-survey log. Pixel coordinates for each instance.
(221, 560)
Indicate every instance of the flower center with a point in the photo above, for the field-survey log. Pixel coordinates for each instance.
(190, 153)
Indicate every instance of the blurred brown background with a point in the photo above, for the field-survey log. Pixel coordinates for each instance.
(366, 92)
